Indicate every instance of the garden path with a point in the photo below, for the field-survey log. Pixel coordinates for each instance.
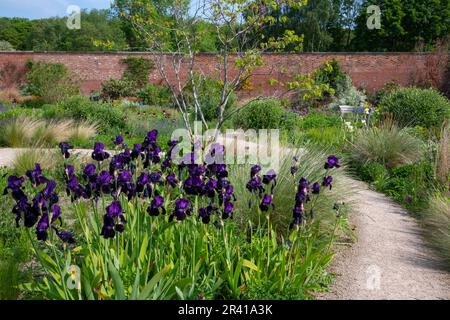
(390, 259)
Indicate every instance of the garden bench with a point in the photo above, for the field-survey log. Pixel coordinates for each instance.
(358, 112)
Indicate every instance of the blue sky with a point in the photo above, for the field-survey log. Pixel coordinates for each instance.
(35, 9)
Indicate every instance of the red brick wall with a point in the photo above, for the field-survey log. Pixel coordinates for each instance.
(370, 70)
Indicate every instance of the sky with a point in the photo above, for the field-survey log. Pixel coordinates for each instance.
(36, 9)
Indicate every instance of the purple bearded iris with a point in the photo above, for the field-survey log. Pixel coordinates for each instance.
(302, 191)
(156, 206)
(269, 177)
(103, 183)
(227, 210)
(65, 147)
(99, 154)
(117, 141)
(15, 185)
(113, 220)
(89, 172)
(332, 162)
(181, 211)
(35, 176)
(266, 202)
(172, 180)
(327, 182)
(316, 188)
(254, 184)
(254, 170)
(205, 213)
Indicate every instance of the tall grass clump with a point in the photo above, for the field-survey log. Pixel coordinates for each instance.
(442, 162)
(388, 145)
(19, 132)
(26, 132)
(436, 220)
(26, 159)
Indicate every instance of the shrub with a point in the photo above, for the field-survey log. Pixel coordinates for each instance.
(137, 71)
(114, 89)
(6, 46)
(373, 172)
(260, 114)
(320, 120)
(209, 97)
(51, 81)
(387, 145)
(348, 95)
(411, 185)
(154, 95)
(417, 107)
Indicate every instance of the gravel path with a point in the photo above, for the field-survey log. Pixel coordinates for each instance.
(390, 259)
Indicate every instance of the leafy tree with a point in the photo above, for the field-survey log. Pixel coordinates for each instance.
(6, 46)
(16, 31)
(404, 24)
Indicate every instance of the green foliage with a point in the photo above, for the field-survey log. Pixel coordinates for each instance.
(387, 145)
(154, 95)
(100, 31)
(320, 120)
(410, 185)
(417, 107)
(399, 31)
(110, 117)
(51, 81)
(372, 172)
(209, 93)
(6, 46)
(137, 71)
(114, 89)
(260, 114)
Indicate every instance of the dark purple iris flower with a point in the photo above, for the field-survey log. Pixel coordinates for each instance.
(266, 202)
(136, 152)
(254, 184)
(254, 170)
(70, 171)
(99, 154)
(269, 177)
(142, 181)
(155, 177)
(332, 162)
(15, 185)
(66, 237)
(227, 210)
(118, 141)
(205, 213)
(156, 206)
(113, 220)
(327, 182)
(316, 188)
(65, 147)
(35, 176)
(74, 189)
(172, 180)
(181, 211)
(89, 172)
(42, 226)
(211, 187)
(194, 185)
(152, 136)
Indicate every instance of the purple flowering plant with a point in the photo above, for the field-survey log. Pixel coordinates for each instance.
(145, 224)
